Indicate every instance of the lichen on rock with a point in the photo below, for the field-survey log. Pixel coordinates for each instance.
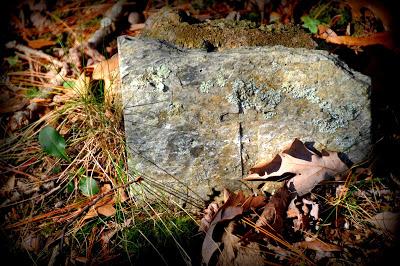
(154, 76)
(335, 117)
(204, 118)
(250, 96)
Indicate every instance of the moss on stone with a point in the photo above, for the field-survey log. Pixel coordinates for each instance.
(169, 26)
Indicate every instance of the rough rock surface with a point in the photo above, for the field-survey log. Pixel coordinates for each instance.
(202, 119)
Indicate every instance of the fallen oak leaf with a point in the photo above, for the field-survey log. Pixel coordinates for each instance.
(308, 167)
(308, 215)
(209, 214)
(235, 205)
(232, 199)
(108, 71)
(249, 203)
(13, 104)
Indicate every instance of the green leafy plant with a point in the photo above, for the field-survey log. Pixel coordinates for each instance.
(310, 23)
(34, 92)
(70, 187)
(13, 60)
(68, 84)
(88, 186)
(52, 142)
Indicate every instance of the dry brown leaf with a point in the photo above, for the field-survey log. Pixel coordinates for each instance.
(109, 72)
(106, 210)
(254, 202)
(31, 242)
(12, 105)
(40, 43)
(234, 253)
(275, 210)
(90, 214)
(81, 86)
(39, 21)
(294, 212)
(317, 245)
(227, 212)
(121, 196)
(308, 167)
(18, 120)
(8, 186)
(209, 213)
(105, 188)
(309, 212)
(106, 236)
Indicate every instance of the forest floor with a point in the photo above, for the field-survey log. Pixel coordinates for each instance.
(66, 196)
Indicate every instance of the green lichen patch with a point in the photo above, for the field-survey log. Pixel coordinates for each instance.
(155, 76)
(205, 86)
(335, 118)
(251, 96)
(219, 81)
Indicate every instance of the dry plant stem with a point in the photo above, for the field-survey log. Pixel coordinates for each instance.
(27, 50)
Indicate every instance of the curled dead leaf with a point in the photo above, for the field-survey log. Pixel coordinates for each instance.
(308, 166)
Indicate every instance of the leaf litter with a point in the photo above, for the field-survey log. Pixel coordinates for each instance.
(316, 214)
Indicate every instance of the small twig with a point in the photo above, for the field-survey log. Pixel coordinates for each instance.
(27, 50)
(107, 24)
(31, 177)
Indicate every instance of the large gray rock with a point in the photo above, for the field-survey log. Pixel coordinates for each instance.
(203, 119)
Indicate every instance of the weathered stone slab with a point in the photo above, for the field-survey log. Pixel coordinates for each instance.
(205, 118)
